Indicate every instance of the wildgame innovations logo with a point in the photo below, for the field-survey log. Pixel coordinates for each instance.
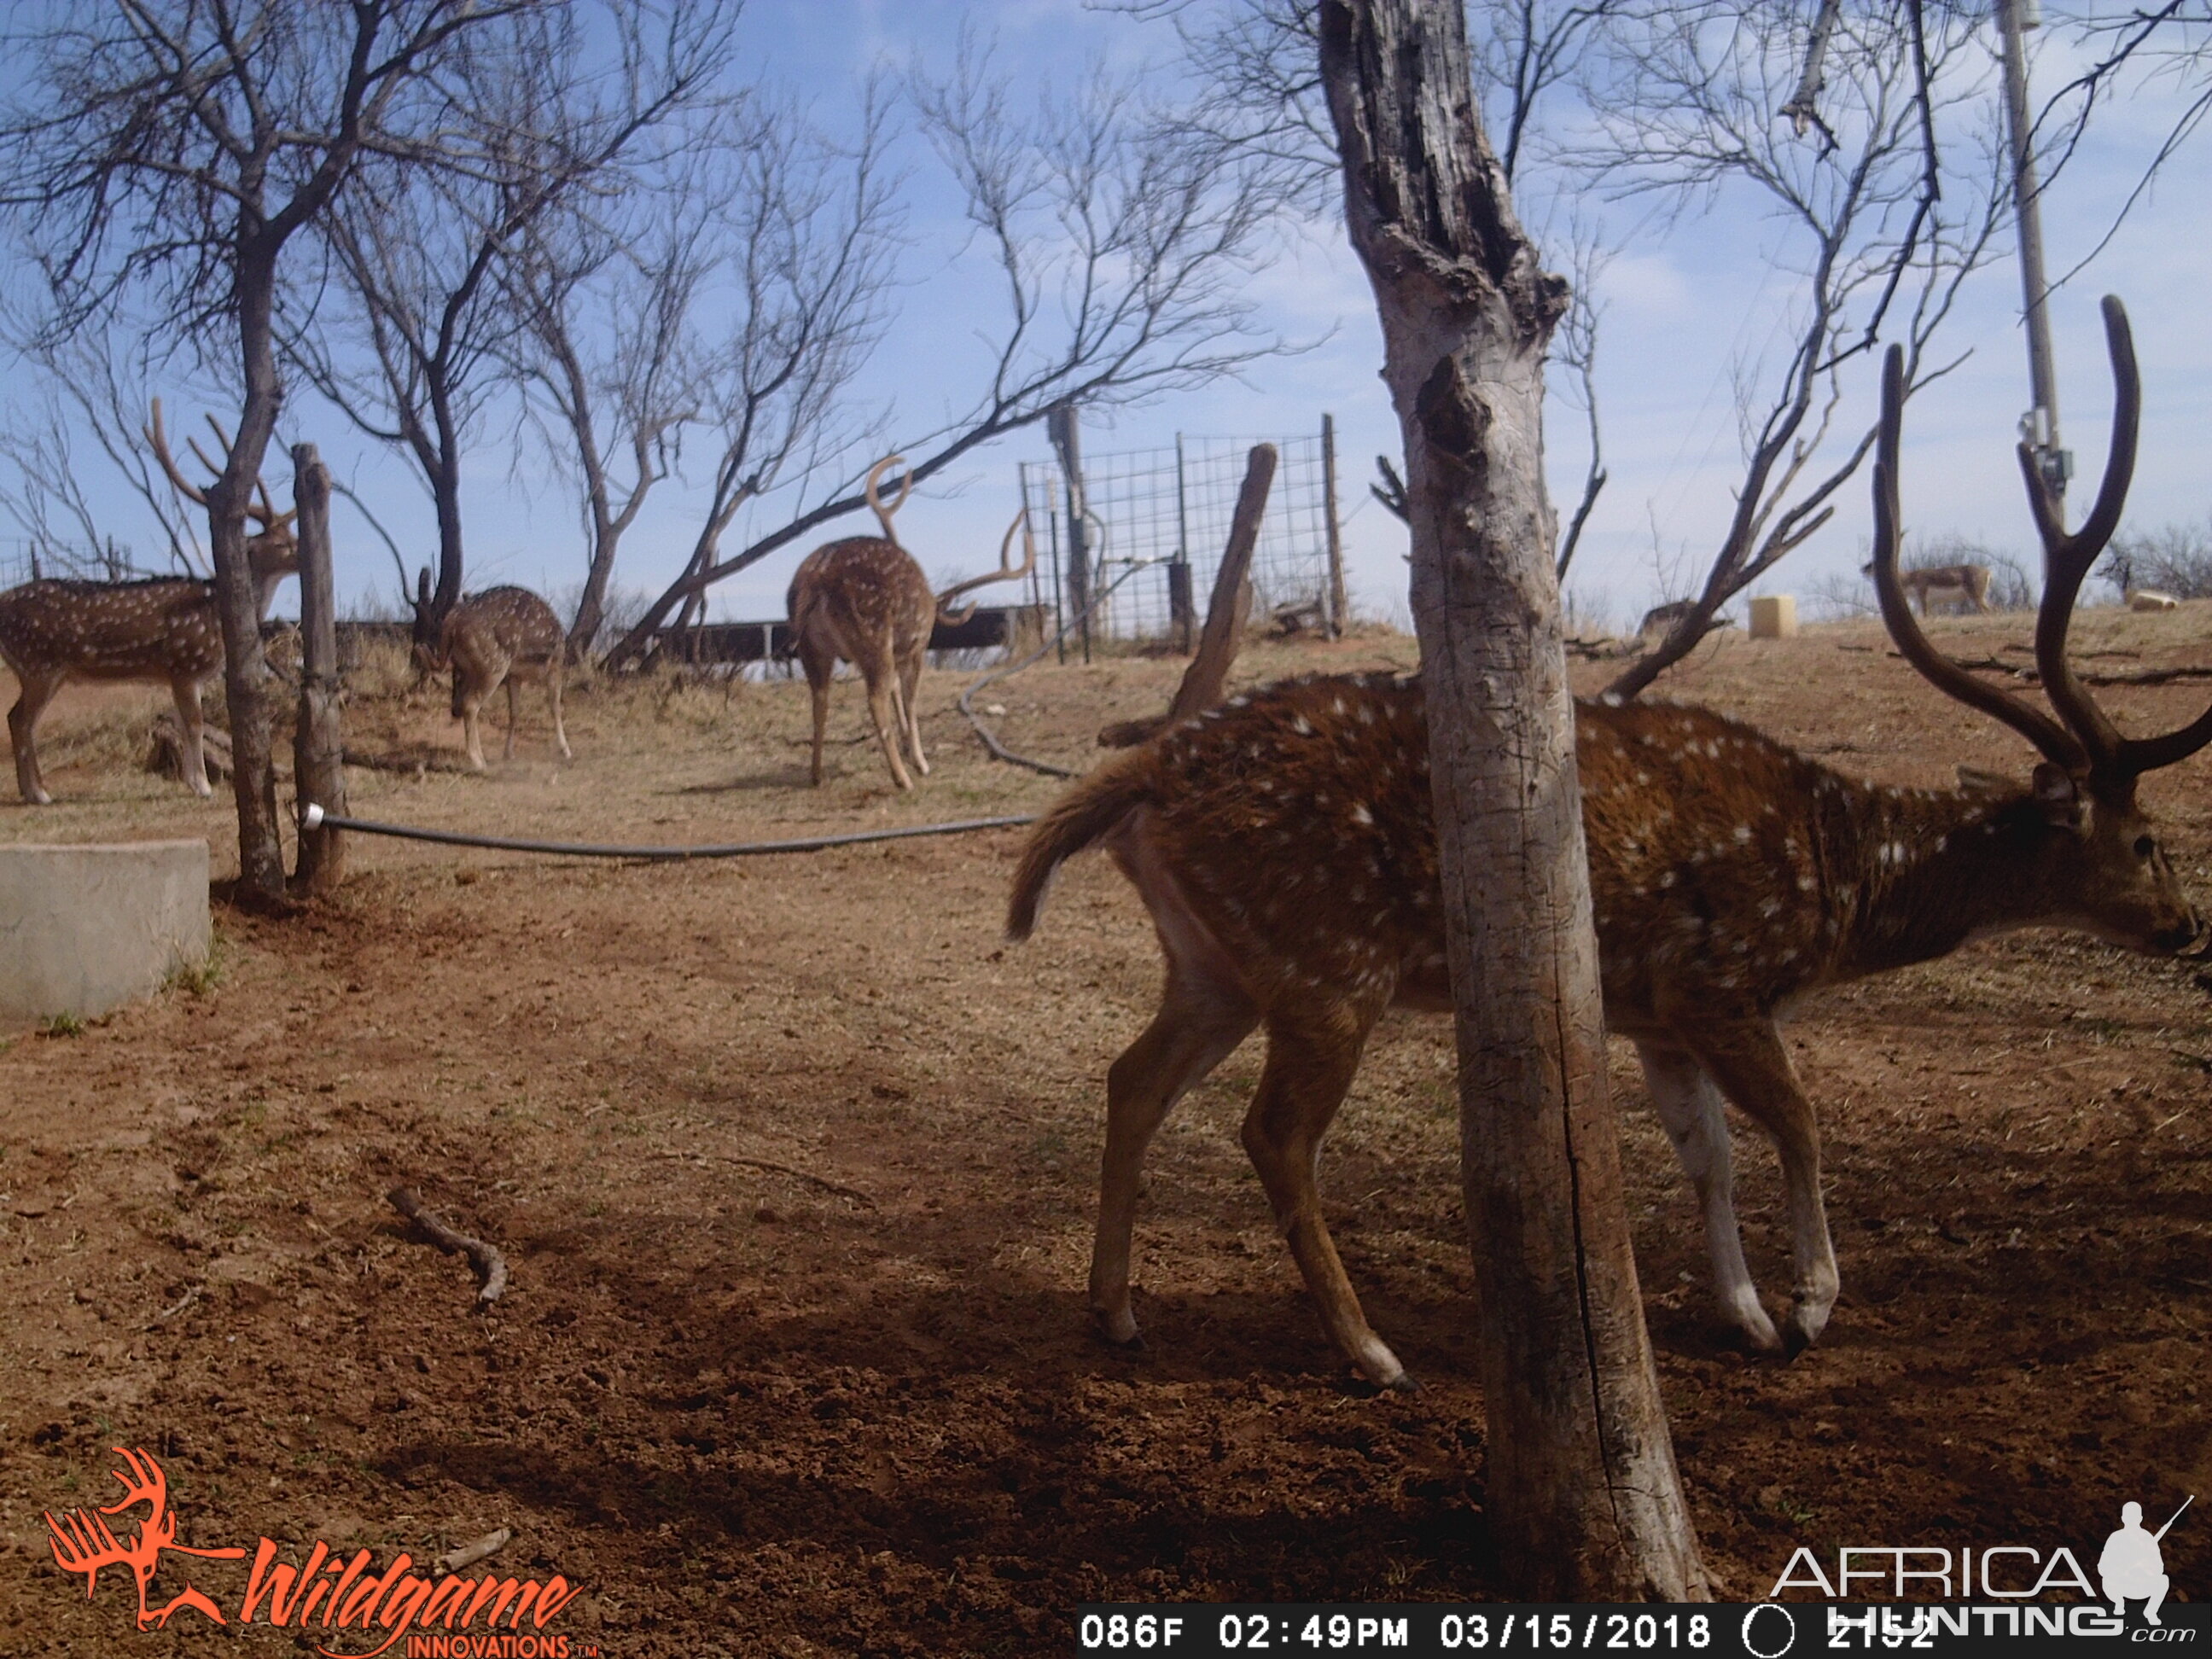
(365, 1611)
(2004, 1587)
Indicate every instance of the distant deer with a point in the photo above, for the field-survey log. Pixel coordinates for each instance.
(498, 637)
(864, 600)
(1969, 583)
(1285, 848)
(163, 629)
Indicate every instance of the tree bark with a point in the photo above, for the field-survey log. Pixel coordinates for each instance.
(319, 741)
(238, 599)
(1584, 1501)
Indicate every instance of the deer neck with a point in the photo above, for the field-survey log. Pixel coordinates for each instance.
(1920, 872)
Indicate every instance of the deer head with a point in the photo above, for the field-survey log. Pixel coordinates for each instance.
(2098, 846)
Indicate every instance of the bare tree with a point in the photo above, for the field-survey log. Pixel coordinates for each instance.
(1584, 1500)
(173, 149)
(419, 344)
(93, 382)
(807, 231)
(605, 297)
(1884, 224)
(1121, 253)
(1257, 59)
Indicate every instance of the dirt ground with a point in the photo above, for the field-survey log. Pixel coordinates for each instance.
(792, 1161)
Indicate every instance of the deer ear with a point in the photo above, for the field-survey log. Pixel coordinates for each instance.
(2058, 797)
(1976, 781)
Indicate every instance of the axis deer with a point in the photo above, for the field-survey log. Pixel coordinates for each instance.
(1969, 583)
(1284, 847)
(164, 629)
(864, 600)
(499, 637)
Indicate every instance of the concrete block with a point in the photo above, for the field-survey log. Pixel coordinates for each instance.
(1774, 617)
(85, 929)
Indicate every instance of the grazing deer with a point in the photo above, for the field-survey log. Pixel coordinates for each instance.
(164, 629)
(866, 601)
(1969, 583)
(494, 638)
(1285, 848)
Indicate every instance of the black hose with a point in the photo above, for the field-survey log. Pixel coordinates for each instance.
(313, 818)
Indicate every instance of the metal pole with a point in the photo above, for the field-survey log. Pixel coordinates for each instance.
(2039, 426)
(1338, 606)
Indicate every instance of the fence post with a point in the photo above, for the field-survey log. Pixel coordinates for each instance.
(319, 744)
(1337, 604)
(1061, 428)
(1181, 620)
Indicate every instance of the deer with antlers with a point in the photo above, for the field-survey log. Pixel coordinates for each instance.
(501, 636)
(864, 600)
(1285, 848)
(163, 629)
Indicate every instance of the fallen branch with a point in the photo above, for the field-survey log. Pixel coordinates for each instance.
(403, 762)
(467, 1555)
(852, 1193)
(490, 1265)
(168, 1314)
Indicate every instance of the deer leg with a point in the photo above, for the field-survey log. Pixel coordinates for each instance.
(1752, 1069)
(468, 704)
(909, 684)
(883, 689)
(1689, 1107)
(1312, 1055)
(512, 717)
(36, 691)
(1199, 1022)
(187, 691)
(553, 678)
(819, 675)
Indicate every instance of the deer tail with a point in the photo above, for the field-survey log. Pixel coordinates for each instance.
(1081, 818)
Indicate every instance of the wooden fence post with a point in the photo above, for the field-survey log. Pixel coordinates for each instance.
(319, 745)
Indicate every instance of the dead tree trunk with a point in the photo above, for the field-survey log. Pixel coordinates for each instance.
(1584, 1500)
(319, 741)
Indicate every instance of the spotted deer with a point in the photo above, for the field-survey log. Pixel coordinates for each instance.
(163, 629)
(864, 600)
(499, 637)
(1284, 847)
(1967, 582)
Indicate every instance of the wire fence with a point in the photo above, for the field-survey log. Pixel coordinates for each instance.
(25, 559)
(1166, 512)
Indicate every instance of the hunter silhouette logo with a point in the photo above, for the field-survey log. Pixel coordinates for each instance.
(84, 1543)
(343, 1590)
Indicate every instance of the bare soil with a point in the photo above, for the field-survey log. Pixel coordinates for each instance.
(793, 1161)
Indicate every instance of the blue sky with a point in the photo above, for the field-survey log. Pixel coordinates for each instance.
(1684, 303)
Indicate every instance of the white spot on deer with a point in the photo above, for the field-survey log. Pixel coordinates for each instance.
(1361, 816)
(1743, 832)
(1299, 724)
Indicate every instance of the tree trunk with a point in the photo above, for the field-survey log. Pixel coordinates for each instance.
(319, 744)
(1584, 1500)
(238, 600)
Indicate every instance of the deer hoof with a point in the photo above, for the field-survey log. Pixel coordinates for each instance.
(1120, 1330)
(1802, 1330)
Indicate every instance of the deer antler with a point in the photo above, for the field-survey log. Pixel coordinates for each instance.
(2067, 560)
(2058, 744)
(266, 513)
(1005, 573)
(189, 492)
(906, 488)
